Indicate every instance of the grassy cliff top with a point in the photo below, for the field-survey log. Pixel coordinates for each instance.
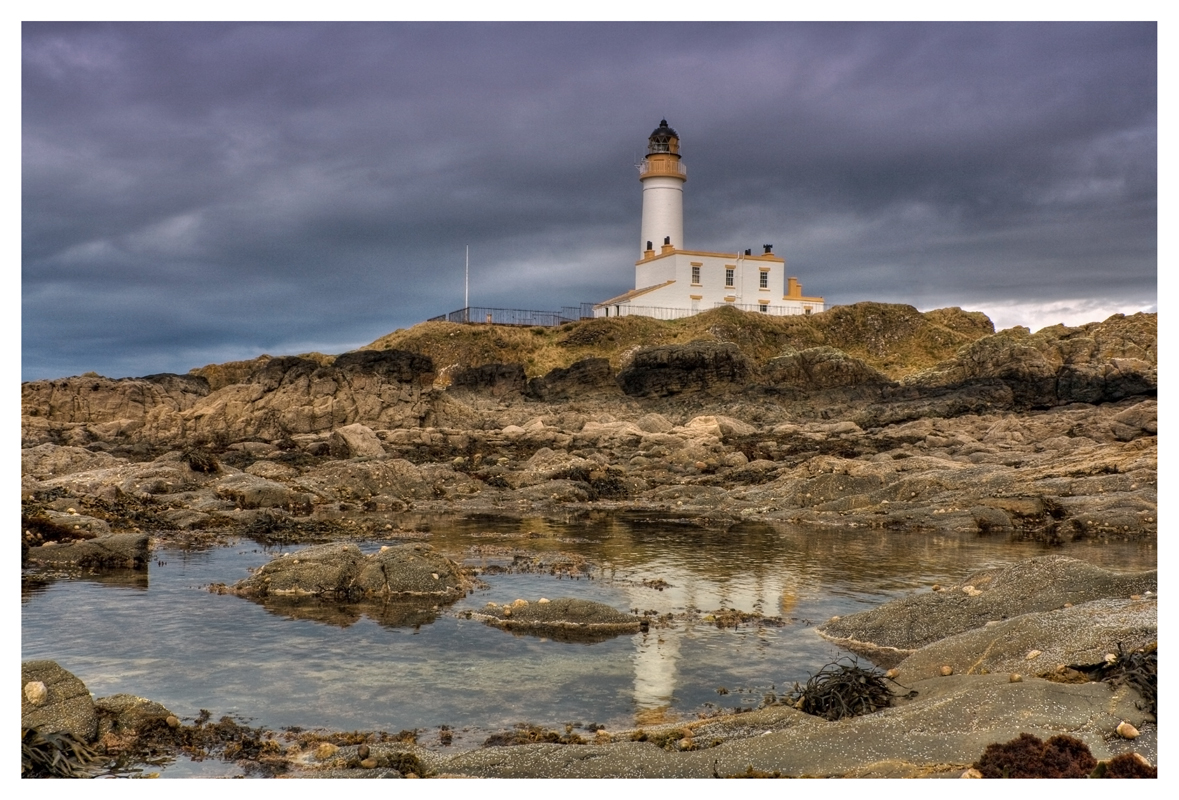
(896, 339)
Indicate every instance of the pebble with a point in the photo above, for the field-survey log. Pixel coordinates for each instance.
(519, 603)
(937, 587)
(1142, 759)
(172, 721)
(970, 591)
(1110, 658)
(947, 671)
(71, 511)
(972, 773)
(434, 575)
(1127, 731)
(362, 752)
(892, 674)
(1033, 654)
(1015, 678)
(543, 600)
(368, 763)
(325, 751)
(35, 692)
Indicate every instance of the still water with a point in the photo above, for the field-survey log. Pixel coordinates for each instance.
(161, 634)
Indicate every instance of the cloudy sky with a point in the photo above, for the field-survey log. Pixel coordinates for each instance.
(198, 192)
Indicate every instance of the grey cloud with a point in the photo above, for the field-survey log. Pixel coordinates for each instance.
(193, 192)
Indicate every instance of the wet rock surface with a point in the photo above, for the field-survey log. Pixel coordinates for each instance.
(54, 700)
(564, 619)
(127, 550)
(989, 597)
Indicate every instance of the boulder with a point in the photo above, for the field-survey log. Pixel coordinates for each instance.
(896, 629)
(342, 571)
(54, 700)
(126, 550)
(712, 367)
(355, 441)
(128, 714)
(251, 491)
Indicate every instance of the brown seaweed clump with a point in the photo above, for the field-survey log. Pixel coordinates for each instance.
(842, 689)
(1027, 756)
(1128, 765)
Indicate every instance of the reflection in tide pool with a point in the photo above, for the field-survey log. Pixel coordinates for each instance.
(400, 667)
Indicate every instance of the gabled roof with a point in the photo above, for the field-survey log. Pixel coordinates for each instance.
(633, 293)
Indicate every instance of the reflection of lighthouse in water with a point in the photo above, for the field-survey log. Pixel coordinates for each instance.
(657, 653)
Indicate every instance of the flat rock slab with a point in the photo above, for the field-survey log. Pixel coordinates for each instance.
(54, 700)
(944, 730)
(565, 619)
(116, 550)
(889, 633)
(1082, 634)
(343, 571)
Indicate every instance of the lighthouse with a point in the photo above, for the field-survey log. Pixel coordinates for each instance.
(672, 281)
(662, 174)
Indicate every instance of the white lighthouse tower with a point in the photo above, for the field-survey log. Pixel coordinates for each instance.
(672, 281)
(663, 176)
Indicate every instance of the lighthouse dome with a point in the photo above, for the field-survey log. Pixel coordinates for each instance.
(663, 139)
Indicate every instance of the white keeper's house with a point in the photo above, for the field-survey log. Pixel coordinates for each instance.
(672, 281)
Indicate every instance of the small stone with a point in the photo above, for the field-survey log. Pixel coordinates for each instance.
(1141, 759)
(507, 611)
(368, 763)
(384, 547)
(35, 692)
(970, 591)
(700, 465)
(972, 773)
(1127, 731)
(1033, 654)
(1015, 678)
(1068, 605)
(434, 575)
(1135, 597)
(325, 751)
(492, 604)
(892, 674)
(172, 721)
(947, 670)
(362, 752)
(834, 619)
(937, 587)
(412, 775)
(1110, 658)
(71, 511)
(519, 603)
(543, 600)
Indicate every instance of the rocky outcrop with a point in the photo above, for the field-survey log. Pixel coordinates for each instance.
(127, 550)
(819, 368)
(54, 700)
(493, 379)
(590, 377)
(342, 571)
(903, 626)
(1094, 363)
(712, 367)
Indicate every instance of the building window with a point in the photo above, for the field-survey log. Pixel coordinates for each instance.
(763, 308)
(696, 275)
(763, 280)
(728, 277)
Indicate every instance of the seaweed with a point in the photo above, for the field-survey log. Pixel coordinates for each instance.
(1027, 756)
(843, 689)
(54, 755)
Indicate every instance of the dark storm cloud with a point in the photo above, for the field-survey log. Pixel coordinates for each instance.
(199, 192)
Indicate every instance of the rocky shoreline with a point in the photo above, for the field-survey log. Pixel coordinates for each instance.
(867, 416)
